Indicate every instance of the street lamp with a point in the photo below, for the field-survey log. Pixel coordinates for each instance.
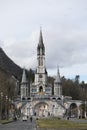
(6, 109)
(9, 107)
(27, 111)
(1, 104)
(53, 110)
(30, 110)
(85, 109)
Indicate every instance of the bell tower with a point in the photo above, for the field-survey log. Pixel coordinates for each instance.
(40, 81)
(40, 87)
(41, 73)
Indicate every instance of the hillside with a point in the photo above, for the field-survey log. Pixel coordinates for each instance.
(9, 66)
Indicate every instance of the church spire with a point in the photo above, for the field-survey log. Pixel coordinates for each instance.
(41, 38)
(24, 85)
(58, 85)
(58, 77)
(24, 80)
(40, 47)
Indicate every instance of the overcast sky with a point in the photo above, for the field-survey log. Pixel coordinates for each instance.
(64, 28)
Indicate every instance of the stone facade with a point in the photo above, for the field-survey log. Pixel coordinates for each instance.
(38, 100)
(42, 102)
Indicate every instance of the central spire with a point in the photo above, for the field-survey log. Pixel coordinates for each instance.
(40, 38)
(40, 47)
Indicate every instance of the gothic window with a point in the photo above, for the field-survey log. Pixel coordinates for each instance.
(33, 90)
(41, 61)
(40, 76)
(40, 89)
(58, 90)
(24, 91)
(47, 90)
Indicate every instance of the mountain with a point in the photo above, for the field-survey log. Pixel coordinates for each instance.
(9, 66)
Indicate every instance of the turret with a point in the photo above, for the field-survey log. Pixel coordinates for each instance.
(57, 80)
(24, 85)
(24, 79)
(57, 85)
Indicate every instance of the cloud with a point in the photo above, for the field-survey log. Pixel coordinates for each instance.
(70, 48)
(63, 49)
(23, 53)
(64, 27)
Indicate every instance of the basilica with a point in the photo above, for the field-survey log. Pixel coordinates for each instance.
(41, 101)
(40, 87)
(37, 98)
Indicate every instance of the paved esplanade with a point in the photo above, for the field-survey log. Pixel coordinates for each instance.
(19, 125)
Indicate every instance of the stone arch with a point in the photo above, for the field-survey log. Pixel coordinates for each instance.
(41, 109)
(83, 110)
(40, 89)
(58, 98)
(73, 110)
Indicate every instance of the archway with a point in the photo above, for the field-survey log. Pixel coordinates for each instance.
(83, 110)
(73, 110)
(41, 109)
(40, 89)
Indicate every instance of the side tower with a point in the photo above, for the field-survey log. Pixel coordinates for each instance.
(24, 85)
(57, 85)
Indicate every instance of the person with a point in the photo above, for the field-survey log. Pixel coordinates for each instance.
(31, 118)
(68, 118)
(15, 118)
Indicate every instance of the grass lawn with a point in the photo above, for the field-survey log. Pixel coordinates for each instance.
(5, 121)
(61, 124)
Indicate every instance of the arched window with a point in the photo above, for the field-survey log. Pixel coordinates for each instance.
(40, 89)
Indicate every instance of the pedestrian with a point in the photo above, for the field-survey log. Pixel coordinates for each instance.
(31, 118)
(68, 118)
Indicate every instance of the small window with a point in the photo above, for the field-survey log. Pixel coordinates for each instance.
(47, 90)
(23, 98)
(33, 90)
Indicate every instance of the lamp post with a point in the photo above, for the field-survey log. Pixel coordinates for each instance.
(28, 111)
(1, 104)
(71, 111)
(53, 110)
(6, 107)
(9, 107)
(85, 109)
